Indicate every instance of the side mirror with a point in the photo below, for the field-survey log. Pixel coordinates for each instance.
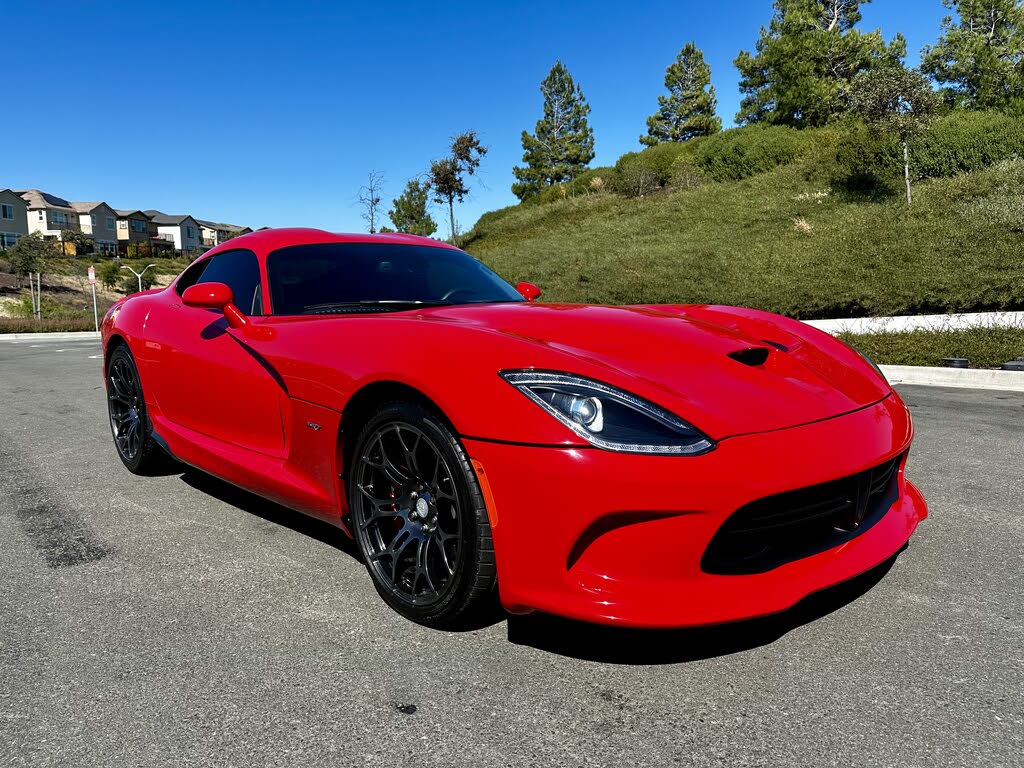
(529, 291)
(215, 296)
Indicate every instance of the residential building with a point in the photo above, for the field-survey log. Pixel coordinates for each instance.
(215, 233)
(48, 213)
(183, 230)
(99, 221)
(13, 217)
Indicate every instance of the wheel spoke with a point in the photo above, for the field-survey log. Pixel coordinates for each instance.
(444, 555)
(387, 466)
(409, 453)
(421, 567)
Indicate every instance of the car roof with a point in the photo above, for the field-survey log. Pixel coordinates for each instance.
(267, 240)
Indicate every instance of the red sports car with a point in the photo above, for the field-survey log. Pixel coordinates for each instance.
(651, 466)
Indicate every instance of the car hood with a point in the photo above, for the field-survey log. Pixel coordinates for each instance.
(694, 360)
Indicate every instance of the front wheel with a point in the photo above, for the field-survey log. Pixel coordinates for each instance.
(129, 420)
(419, 517)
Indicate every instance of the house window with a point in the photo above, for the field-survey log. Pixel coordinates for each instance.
(42, 215)
(110, 222)
(8, 211)
(122, 224)
(58, 217)
(138, 225)
(7, 239)
(92, 220)
(189, 232)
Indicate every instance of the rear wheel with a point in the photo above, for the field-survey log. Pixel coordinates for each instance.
(419, 518)
(129, 420)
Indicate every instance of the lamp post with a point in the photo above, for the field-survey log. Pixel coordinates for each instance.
(138, 274)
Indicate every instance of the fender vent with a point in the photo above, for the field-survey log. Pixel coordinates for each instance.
(750, 356)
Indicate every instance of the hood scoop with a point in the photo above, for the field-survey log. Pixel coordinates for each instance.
(752, 356)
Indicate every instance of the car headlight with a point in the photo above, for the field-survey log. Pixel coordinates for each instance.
(609, 417)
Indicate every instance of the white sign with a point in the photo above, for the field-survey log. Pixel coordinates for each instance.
(92, 276)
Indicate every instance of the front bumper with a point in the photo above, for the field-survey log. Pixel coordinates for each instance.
(618, 538)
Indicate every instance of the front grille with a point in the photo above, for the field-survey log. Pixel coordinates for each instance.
(788, 526)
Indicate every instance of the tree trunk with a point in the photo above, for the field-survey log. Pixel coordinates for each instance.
(451, 217)
(906, 170)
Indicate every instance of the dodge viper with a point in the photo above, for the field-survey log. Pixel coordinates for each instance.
(649, 466)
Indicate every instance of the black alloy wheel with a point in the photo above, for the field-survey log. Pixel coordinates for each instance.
(419, 518)
(129, 421)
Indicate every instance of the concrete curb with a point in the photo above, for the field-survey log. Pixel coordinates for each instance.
(61, 336)
(958, 322)
(972, 378)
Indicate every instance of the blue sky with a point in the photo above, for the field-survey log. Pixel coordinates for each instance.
(273, 113)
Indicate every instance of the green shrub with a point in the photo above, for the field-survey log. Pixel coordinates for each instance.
(984, 347)
(686, 174)
(741, 152)
(966, 141)
(639, 173)
(865, 162)
(47, 324)
(960, 142)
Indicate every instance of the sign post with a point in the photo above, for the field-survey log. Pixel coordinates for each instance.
(95, 312)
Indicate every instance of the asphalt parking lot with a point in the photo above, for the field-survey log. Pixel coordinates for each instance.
(177, 621)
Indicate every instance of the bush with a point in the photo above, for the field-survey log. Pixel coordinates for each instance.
(960, 142)
(741, 152)
(47, 324)
(866, 163)
(640, 173)
(984, 347)
(965, 141)
(686, 174)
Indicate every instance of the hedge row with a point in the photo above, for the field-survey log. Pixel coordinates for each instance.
(848, 154)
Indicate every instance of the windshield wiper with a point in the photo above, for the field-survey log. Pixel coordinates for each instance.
(383, 303)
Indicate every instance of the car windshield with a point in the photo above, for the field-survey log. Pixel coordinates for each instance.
(337, 277)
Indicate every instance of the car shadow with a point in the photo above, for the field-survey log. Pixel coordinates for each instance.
(270, 511)
(489, 613)
(576, 639)
(616, 645)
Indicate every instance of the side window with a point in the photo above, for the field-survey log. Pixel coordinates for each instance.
(191, 276)
(240, 271)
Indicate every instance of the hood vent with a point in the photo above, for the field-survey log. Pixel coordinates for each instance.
(751, 356)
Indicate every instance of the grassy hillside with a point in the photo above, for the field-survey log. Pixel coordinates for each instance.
(784, 240)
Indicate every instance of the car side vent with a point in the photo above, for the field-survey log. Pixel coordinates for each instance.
(750, 356)
(777, 345)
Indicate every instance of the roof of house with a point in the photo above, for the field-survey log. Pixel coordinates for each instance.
(221, 225)
(88, 207)
(36, 198)
(13, 193)
(167, 219)
(125, 213)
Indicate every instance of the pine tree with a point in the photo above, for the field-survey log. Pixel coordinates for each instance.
(409, 210)
(981, 57)
(689, 109)
(562, 143)
(805, 61)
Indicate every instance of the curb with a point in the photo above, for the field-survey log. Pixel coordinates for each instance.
(972, 378)
(897, 323)
(43, 336)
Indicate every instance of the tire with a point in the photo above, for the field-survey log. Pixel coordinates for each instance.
(419, 518)
(129, 418)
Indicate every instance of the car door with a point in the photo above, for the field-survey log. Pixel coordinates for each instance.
(208, 377)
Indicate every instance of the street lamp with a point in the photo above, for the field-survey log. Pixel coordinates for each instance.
(138, 274)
